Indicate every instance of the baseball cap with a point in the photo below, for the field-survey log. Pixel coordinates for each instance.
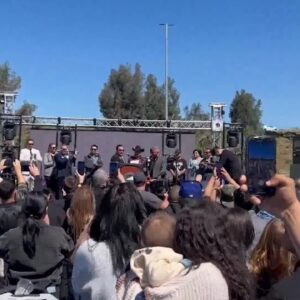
(139, 178)
(227, 193)
(190, 190)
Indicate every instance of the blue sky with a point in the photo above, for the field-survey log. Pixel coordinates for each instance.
(64, 51)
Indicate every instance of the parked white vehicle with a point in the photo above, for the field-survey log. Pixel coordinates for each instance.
(270, 128)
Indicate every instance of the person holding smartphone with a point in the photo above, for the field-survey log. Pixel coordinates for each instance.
(284, 205)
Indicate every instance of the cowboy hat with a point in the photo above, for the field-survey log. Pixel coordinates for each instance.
(138, 149)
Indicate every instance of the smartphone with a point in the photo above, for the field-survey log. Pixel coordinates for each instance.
(80, 167)
(113, 169)
(219, 167)
(260, 165)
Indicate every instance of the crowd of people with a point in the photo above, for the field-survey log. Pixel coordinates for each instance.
(173, 229)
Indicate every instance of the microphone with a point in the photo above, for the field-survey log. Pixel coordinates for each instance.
(163, 174)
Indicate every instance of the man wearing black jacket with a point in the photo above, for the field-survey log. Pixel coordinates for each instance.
(64, 162)
(119, 155)
(229, 161)
(92, 161)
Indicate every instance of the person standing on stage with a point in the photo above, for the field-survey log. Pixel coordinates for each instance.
(49, 165)
(28, 156)
(206, 165)
(92, 161)
(119, 155)
(137, 157)
(178, 167)
(193, 165)
(229, 161)
(64, 162)
(157, 164)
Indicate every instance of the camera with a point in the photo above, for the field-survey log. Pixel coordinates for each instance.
(170, 161)
(8, 155)
(159, 188)
(206, 167)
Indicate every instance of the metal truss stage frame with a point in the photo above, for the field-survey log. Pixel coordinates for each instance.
(134, 124)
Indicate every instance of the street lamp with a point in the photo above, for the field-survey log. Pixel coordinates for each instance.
(166, 25)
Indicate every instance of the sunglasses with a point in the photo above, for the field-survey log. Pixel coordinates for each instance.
(30, 144)
(94, 149)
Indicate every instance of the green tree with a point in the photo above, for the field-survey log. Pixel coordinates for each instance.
(246, 109)
(173, 100)
(128, 95)
(9, 81)
(26, 109)
(154, 99)
(204, 139)
(195, 112)
(136, 96)
(121, 96)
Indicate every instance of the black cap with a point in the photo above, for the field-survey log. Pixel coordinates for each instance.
(139, 178)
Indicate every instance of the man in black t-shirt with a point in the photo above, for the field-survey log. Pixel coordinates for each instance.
(229, 161)
(178, 167)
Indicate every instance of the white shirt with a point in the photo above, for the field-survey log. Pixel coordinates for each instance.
(26, 155)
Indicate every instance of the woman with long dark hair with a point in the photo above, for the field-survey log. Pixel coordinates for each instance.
(193, 165)
(35, 250)
(114, 235)
(239, 228)
(201, 238)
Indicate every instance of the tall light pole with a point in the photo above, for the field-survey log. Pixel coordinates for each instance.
(166, 25)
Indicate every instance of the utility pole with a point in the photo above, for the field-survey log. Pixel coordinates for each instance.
(166, 25)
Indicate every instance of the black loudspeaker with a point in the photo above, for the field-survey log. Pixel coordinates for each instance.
(233, 138)
(296, 150)
(171, 140)
(66, 137)
(9, 130)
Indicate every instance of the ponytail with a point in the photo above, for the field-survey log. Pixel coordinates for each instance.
(31, 230)
(35, 208)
